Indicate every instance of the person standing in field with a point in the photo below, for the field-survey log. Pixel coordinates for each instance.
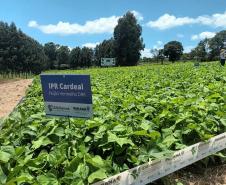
(222, 56)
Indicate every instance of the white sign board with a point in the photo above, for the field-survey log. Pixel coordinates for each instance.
(108, 62)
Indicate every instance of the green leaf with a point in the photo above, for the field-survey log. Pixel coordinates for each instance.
(98, 175)
(29, 132)
(96, 161)
(78, 182)
(119, 128)
(24, 178)
(8, 149)
(82, 171)
(112, 138)
(140, 133)
(169, 140)
(59, 131)
(145, 125)
(73, 165)
(154, 134)
(4, 156)
(223, 121)
(87, 139)
(42, 141)
(3, 176)
(47, 179)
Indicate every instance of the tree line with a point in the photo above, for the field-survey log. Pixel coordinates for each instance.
(207, 49)
(125, 46)
(21, 54)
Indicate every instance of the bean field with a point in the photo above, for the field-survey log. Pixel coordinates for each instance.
(140, 113)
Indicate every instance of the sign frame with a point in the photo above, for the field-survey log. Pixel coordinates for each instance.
(108, 62)
(67, 95)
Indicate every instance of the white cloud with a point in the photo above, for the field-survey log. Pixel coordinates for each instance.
(146, 53)
(187, 49)
(98, 26)
(167, 21)
(138, 15)
(203, 35)
(217, 20)
(90, 45)
(32, 24)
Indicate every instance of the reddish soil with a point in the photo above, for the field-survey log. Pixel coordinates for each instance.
(11, 92)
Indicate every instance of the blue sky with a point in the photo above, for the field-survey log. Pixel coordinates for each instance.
(88, 22)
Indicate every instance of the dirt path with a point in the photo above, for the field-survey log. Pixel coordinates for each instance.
(10, 94)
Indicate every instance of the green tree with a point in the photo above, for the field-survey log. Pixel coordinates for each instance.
(173, 50)
(186, 57)
(216, 43)
(104, 50)
(160, 55)
(19, 53)
(201, 52)
(34, 56)
(128, 41)
(157, 55)
(63, 57)
(51, 52)
(75, 57)
(86, 57)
